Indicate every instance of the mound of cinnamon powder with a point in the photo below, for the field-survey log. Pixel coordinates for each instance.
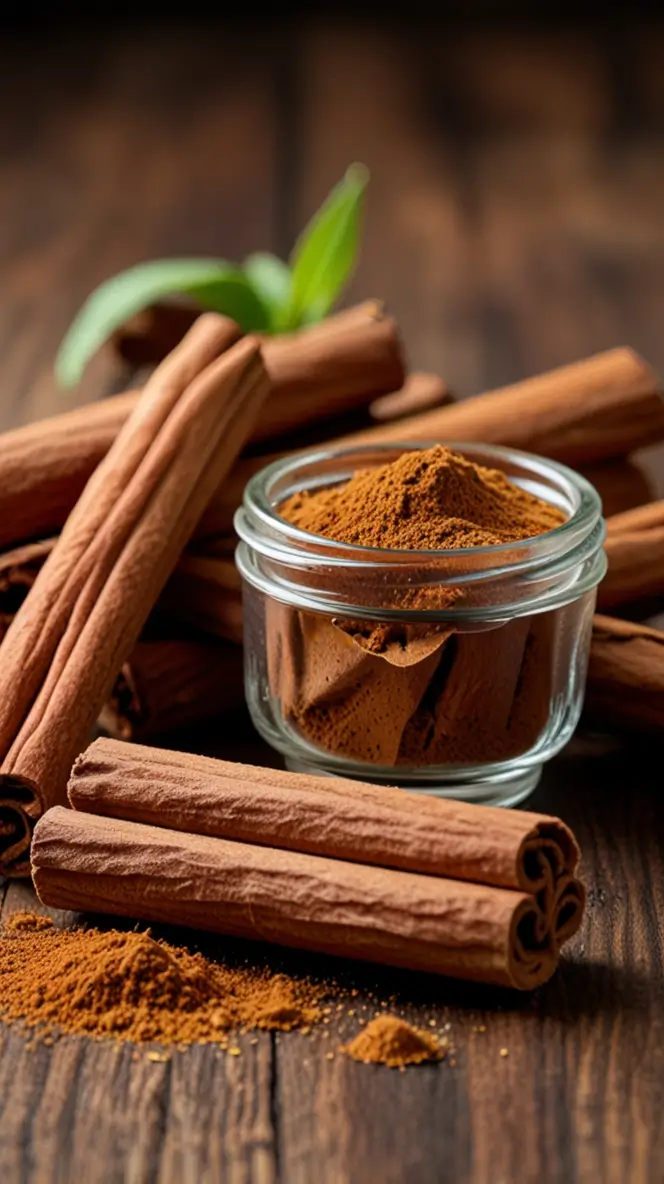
(433, 499)
(388, 1040)
(130, 987)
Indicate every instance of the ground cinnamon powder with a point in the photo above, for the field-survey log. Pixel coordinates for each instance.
(432, 499)
(417, 693)
(131, 987)
(388, 1040)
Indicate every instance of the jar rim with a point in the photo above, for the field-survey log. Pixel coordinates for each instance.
(258, 509)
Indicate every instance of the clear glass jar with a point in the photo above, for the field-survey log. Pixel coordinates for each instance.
(456, 672)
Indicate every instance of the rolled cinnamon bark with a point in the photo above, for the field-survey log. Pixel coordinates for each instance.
(170, 684)
(81, 619)
(146, 338)
(345, 361)
(621, 483)
(471, 931)
(206, 593)
(420, 392)
(635, 551)
(603, 407)
(340, 364)
(625, 687)
(327, 816)
(18, 572)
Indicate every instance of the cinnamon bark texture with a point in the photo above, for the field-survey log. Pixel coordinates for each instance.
(44, 466)
(340, 364)
(327, 816)
(606, 406)
(635, 551)
(346, 361)
(420, 392)
(166, 685)
(80, 621)
(168, 682)
(625, 688)
(18, 572)
(621, 483)
(493, 935)
(146, 339)
(205, 591)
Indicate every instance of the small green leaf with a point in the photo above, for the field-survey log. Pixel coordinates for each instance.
(324, 255)
(216, 284)
(236, 297)
(270, 278)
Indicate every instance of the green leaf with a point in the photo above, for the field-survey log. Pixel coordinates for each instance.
(214, 283)
(325, 253)
(270, 278)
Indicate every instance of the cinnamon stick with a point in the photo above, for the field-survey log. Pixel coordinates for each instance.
(491, 935)
(167, 683)
(635, 551)
(44, 466)
(603, 407)
(625, 687)
(146, 338)
(319, 372)
(18, 572)
(170, 684)
(345, 361)
(420, 392)
(328, 816)
(621, 483)
(86, 609)
(206, 593)
(423, 922)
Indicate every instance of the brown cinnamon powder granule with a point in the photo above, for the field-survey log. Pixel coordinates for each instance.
(388, 1040)
(130, 987)
(433, 499)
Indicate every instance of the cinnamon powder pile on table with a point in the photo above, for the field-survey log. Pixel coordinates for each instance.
(388, 1040)
(418, 693)
(130, 987)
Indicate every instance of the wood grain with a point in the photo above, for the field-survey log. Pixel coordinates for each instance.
(514, 223)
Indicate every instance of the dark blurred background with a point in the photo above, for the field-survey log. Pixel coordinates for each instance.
(516, 207)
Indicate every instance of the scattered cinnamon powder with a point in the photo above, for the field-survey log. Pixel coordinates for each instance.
(130, 987)
(388, 1040)
(433, 499)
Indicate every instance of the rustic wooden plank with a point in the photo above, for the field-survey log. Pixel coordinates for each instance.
(127, 147)
(364, 101)
(567, 194)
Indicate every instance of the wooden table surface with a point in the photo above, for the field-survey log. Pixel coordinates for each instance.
(515, 222)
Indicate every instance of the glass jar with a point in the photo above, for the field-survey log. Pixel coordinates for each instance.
(456, 673)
